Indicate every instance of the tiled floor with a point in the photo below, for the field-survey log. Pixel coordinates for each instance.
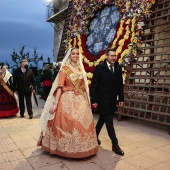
(145, 147)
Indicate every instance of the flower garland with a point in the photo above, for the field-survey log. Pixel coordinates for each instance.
(127, 39)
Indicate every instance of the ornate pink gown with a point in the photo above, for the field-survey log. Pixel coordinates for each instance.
(70, 131)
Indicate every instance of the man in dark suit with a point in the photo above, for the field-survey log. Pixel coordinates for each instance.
(106, 85)
(24, 86)
(46, 80)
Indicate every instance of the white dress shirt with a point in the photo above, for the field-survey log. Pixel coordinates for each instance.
(108, 64)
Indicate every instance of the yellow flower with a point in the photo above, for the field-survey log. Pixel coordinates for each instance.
(89, 75)
(126, 37)
(102, 57)
(88, 62)
(85, 60)
(129, 47)
(133, 21)
(120, 31)
(91, 64)
(128, 21)
(121, 22)
(121, 42)
(96, 63)
(120, 61)
(153, 1)
(89, 82)
(124, 77)
(127, 28)
(114, 42)
(80, 49)
(137, 33)
(128, 4)
(125, 52)
(133, 28)
(135, 40)
(133, 35)
(74, 42)
(123, 10)
(79, 40)
(119, 50)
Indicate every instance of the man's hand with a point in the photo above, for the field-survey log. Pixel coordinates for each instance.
(94, 105)
(120, 103)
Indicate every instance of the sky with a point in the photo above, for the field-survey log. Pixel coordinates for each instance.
(23, 22)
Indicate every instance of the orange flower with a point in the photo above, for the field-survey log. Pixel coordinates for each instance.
(153, 1)
(139, 45)
(134, 52)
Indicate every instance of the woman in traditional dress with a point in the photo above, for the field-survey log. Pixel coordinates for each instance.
(8, 104)
(67, 121)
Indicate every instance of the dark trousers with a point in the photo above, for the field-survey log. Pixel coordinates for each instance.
(108, 120)
(27, 97)
(46, 91)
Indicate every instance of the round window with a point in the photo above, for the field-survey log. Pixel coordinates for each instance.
(102, 29)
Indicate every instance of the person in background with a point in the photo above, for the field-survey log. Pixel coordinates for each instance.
(8, 103)
(106, 85)
(46, 81)
(67, 126)
(24, 86)
(56, 68)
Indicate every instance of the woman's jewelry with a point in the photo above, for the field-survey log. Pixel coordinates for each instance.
(55, 102)
(73, 65)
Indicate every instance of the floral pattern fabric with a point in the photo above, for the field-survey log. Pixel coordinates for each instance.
(102, 29)
(81, 111)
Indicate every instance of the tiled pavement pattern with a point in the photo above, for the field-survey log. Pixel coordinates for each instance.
(145, 147)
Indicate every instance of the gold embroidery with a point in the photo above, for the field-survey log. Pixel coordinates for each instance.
(70, 142)
(77, 107)
(6, 87)
(49, 140)
(73, 77)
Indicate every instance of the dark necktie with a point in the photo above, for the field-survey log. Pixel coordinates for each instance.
(111, 68)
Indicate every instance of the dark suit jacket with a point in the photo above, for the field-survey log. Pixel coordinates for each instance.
(23, 82)
(105, 87)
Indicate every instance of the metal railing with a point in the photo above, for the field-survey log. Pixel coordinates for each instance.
(50, 10)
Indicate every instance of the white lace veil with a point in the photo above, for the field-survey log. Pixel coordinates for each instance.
(7, 74)
(45, 116)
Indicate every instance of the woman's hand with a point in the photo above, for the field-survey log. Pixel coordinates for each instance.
(53, 108)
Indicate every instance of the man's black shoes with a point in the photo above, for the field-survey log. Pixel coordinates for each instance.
(30, 117)
(117, 150)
